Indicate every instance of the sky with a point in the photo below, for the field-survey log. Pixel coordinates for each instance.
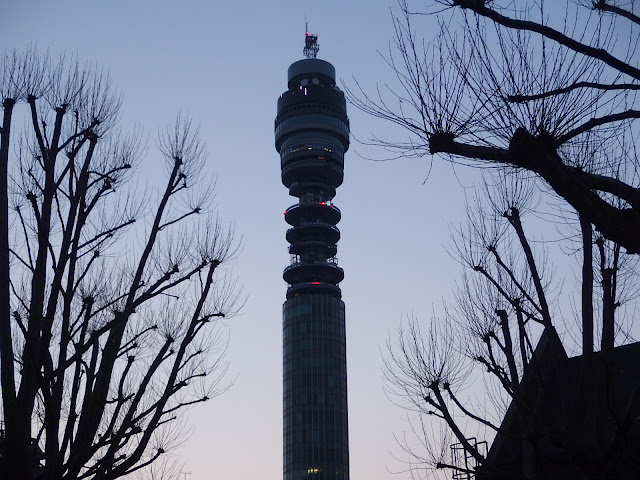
(225, 64)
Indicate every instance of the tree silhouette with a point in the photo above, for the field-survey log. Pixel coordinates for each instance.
(109, 294)
(543, 414)
(543, 96)
(546, 87)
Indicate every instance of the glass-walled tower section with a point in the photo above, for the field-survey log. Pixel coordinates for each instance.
(312, 135)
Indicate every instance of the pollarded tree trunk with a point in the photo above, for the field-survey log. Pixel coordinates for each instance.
(549, 88)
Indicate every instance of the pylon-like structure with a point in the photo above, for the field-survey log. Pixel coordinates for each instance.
(312, 136)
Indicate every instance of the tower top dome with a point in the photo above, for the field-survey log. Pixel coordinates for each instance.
(311, 67)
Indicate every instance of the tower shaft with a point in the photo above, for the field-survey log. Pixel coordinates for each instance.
(312, 135)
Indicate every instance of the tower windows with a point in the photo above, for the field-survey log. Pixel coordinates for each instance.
(312, 135)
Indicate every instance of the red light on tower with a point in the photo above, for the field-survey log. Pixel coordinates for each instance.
(310, 43)
(313, 275)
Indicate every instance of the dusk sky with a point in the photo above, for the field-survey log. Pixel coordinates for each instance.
(225, 64)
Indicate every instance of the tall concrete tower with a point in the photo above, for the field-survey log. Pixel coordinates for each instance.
(312, 135)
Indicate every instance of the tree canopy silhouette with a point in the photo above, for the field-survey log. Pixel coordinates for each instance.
(492, 379)
(543, 96)
(546, 87)
(110, 293)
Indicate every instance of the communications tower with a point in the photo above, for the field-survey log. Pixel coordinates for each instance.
(312, 135)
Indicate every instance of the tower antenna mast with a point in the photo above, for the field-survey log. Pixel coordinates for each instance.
(311, 45)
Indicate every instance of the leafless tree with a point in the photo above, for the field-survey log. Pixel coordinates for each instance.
(525, 85)
(502, 347)
(110, 300)
(543, 94)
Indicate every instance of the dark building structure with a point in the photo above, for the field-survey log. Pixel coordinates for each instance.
(575, 418)
(312, 135)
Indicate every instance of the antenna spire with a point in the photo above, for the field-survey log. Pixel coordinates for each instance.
(311, 45)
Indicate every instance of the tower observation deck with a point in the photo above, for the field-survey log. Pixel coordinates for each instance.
(312, 135)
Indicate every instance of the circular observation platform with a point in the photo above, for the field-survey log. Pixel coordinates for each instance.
(313, 287)
(302, 272)
(320, 168)
(312, 99)
(324, 249)
(321, 212)
(310, 66)
(315, 230)
(308, 120)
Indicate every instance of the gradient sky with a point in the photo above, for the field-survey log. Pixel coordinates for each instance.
(225, 63)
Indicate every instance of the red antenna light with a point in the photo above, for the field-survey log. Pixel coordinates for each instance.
(311, 45)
